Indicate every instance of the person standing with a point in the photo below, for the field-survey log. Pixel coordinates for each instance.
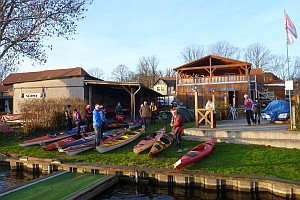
(88, 117)
(145, 114)
(153, 109)
(104, 120)
(78, 120)
(211, 105)
(177, 128)
(257, 112)
(68, 117)
(118, 109)
(249, 108)
(97, 123)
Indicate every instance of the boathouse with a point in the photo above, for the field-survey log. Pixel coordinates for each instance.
(224, 79)
(76, 82)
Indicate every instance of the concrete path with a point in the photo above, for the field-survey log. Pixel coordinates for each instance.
(238, 132)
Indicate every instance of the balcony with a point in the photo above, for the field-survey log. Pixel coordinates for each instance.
(213, 80)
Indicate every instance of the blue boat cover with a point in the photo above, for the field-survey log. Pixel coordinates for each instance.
(276, 108)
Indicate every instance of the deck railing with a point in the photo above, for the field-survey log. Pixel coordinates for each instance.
(213, 80)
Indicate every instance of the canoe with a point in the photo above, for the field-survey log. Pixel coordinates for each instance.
(52, 137)
(64, 142)
(129, 136)
(89, 142)
(148, 141)
(195, 154)
(135, 124)
(161, 144)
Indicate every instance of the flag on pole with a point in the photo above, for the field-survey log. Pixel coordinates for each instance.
(291, 33)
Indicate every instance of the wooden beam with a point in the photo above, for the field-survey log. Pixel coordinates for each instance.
(215, 66)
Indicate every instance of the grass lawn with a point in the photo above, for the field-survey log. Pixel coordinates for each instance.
(58, 187)
(225, 158)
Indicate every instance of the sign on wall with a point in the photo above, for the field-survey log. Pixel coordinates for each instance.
(33, 95)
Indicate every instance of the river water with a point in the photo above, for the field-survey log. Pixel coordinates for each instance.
(125, 189)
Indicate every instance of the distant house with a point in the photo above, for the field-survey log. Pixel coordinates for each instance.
(167, 87)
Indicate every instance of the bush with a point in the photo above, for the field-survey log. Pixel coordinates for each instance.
(48, 114)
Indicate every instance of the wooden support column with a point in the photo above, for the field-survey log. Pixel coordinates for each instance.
(196, 108)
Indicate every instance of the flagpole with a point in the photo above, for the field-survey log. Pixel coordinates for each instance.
(289, 77)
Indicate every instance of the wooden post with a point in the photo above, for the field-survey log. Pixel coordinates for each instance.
(196, 108)
(225, 99)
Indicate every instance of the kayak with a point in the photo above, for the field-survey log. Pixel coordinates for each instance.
(52, 137)
(89, 142)
(148, 141)
(195, 154)
(161, 144)
(129, 136)
(135, 124)
(64, 142)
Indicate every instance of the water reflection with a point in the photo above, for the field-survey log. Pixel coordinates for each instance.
(126, 190)
(10, 178)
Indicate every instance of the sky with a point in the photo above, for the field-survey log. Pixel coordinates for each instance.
(119, 32)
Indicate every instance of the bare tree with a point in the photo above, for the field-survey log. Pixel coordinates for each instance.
(224, 49)
(25, 24)
(191, 53)
(293, 68)
(96, 72)
(122, 73)
(276, 65)
(258, 55)
(170, 72)
(147, 70)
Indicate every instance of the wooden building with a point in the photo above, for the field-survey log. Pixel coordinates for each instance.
(223, 79)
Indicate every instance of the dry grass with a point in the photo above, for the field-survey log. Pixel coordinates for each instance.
(48, 114)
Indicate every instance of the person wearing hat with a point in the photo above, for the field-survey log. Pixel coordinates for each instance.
(97, 123)
(88, 117)
(145, 114)
(177, 127)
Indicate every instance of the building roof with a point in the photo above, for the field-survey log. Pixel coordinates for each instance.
(170, 81)
(44, 75)
(256, 71)
(211, 61)
(4, 88)
(271, 78)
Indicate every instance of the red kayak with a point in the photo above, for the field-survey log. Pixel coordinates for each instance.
(52, 137)
(61, 143)
(195, 154)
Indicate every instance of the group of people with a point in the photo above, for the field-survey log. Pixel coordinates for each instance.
(148, 113)
(94, 119)
(252, 109)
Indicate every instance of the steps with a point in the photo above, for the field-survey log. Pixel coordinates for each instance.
(282, 139)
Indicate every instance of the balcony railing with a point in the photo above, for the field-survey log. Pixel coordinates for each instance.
(213, 80)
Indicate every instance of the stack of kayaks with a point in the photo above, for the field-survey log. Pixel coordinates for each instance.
(161, 144)
(64, 142)
(88, 142)
(129, 136)
(148, 141)
(52, 137)
(195, 154)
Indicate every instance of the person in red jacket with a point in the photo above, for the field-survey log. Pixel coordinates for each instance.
(88, 117)
(177, 127)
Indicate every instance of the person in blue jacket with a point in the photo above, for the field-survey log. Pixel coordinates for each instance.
(97, 123)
